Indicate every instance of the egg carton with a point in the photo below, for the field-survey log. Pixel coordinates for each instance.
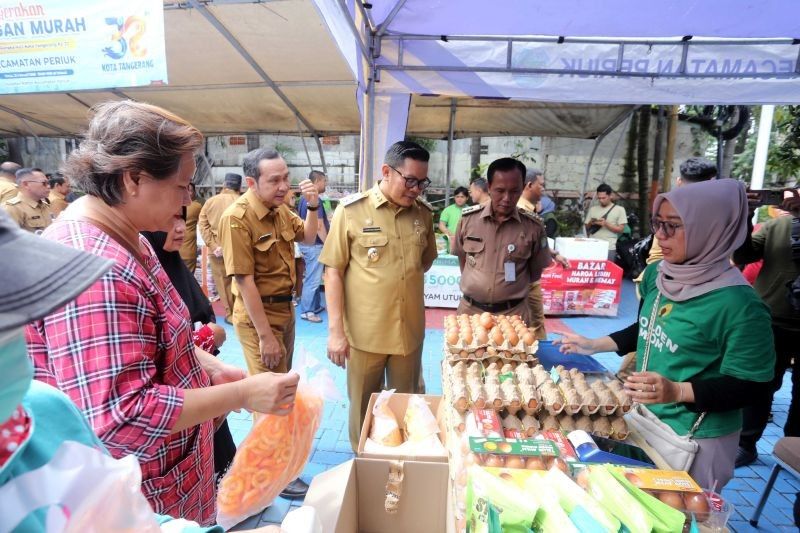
(491, 353)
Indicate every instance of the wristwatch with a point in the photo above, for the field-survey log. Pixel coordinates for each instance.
(312, 208)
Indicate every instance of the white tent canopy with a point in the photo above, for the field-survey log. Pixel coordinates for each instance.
(571, 51)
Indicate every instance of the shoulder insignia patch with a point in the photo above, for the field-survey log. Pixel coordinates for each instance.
(471, 209)
(13, 201)
(424, 202)
(353, 198)
(531, 215)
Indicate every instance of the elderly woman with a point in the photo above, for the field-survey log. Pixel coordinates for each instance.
(710, 346)
(123, 350)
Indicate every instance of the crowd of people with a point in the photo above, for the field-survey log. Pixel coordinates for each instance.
(122, 345)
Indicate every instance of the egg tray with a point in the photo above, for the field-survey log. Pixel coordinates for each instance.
(474, 346)
(546, 396)
(491, 354)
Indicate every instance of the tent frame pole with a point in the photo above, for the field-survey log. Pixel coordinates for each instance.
(450, 131)
(234, 42)
(28, 118)
(384, 26)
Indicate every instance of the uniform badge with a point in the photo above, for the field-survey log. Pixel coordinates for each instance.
(372, 255)
(471, 260)
(511, 248)
(417, 222)
(368, 222)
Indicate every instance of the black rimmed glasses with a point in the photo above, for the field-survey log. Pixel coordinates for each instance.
(413, 182)
(668, 228)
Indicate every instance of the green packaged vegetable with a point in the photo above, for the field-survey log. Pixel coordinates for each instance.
(605, 488)
(491, 499)
(570, 496)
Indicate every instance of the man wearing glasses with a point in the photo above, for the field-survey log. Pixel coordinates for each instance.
(379, 246)
(29, 208)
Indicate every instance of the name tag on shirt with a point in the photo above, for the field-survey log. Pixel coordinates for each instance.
(371, 229)
(510, 271)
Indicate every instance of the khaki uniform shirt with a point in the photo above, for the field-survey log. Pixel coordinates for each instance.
(259, 241)
(210, 215)
(58, 202)
(31, 216)
(383, 252)
(483, 246)
(8, 191)
(525, 205)
(188, 249)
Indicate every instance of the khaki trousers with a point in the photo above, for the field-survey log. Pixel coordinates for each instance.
(223, 284)
(366, 372)
(282, 322)
(536, 310)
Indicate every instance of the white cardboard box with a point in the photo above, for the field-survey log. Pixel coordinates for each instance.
(582, 248)
(349, 498)
(398, 403)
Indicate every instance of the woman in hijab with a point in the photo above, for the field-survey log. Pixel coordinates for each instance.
(207, 334)
(710, 348)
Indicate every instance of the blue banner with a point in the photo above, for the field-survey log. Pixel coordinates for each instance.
(53, 45)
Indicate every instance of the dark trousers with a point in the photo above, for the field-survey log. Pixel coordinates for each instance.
(224, 449)
(755, 417)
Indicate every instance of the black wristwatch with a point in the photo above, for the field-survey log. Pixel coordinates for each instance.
(312, 208)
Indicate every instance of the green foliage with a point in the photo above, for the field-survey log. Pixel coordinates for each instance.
(521, 152)
(629, 170)
(569, 222)
(428, 144)
(285, 150)
(783, 158)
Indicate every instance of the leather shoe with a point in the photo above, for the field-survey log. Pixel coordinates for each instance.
(745, 457)
(295, 489)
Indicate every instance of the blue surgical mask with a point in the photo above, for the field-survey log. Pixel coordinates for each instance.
(16, 372)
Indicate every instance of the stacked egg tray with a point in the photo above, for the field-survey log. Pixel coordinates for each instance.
(496, 338)
(531, 399)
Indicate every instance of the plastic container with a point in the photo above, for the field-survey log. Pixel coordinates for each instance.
(720, 512)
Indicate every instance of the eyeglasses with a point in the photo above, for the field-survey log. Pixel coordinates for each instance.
(413, 182)
(668, 228)
(40, 182)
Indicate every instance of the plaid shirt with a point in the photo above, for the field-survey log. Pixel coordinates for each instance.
(123, 352)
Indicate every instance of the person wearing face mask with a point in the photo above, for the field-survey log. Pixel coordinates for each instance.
(48, 450)
(380, 244)
(696, 330)
(123, 350)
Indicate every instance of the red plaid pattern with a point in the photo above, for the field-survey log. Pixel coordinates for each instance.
(123, 352)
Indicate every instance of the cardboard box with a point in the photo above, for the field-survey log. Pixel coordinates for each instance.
(349, 498)
(398, 403)
(582, 248)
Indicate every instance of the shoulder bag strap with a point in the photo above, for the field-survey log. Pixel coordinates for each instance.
(646, 358)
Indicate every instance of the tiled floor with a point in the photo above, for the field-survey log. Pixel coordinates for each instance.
(332, 446)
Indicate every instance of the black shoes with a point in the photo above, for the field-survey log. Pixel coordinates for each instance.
(745, 457)
(295, 489)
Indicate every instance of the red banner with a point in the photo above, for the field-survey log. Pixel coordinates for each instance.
(587, 288)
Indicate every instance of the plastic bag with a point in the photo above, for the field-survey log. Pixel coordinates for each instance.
(419, 422)
(385, 430)
(497, 506)
(274, 452)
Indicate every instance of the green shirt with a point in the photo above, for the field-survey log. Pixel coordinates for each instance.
(725, 332)
(450, 216)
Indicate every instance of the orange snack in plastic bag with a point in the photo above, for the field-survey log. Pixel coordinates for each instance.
(273, 454)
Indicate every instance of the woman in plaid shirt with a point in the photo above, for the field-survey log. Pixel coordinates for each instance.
(123, 350)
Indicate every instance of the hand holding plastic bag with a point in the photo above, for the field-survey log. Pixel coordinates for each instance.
(276, 450)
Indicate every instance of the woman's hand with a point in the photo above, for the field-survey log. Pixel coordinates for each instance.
(652, 387)
(574, 343)
(270, 393)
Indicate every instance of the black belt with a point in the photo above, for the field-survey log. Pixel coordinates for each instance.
(280, 299)
(494, 308)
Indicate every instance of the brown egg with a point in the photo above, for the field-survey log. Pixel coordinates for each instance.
(483, 337)
(559, 463)
(528, 339)
(697, 503)
(512, 337)
(493, 461)
(463, 354)
(582, 479)
(673, 499)
(497, 337)
(451, 337)
(634, 479)
(467, 336)
(486, 320)
(470, 459)
(515, 461)
(480, 351)
(535, 463)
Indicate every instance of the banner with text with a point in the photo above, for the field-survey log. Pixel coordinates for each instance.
(442, 283)
(587, 288)
(53, 45)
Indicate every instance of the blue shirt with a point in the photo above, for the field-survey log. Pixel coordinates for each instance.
(302, 211)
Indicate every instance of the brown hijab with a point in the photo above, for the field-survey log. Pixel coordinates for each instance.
(714, 215)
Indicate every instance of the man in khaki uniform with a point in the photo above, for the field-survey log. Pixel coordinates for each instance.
(29, 208)
(379, 246)
(208, 223)
(8, 181)
(257, 234)
(59, 189)
(188, 251)
(501, 250)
